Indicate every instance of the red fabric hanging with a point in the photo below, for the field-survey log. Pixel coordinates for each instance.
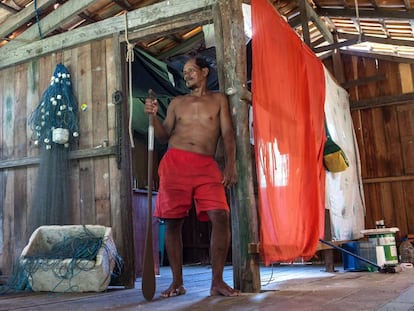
(288, 87)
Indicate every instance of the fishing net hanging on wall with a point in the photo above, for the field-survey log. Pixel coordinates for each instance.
(54, 125)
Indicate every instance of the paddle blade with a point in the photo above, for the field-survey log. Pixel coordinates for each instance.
(148, 273)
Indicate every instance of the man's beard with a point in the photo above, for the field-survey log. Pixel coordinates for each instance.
(190, 86)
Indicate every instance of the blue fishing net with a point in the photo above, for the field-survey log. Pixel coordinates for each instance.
(54, 125)
(57, 109)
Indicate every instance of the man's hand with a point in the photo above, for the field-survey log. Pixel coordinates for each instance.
(151, 106)
(229, 176)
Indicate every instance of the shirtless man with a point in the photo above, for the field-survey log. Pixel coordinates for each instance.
(188, 172)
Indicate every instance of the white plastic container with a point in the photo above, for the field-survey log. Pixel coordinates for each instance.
(384, 238)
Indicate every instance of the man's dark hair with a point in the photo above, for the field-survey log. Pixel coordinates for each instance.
(201, 62)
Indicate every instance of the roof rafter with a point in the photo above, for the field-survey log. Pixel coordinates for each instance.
(378, 13)
(50, 22)
(8, 8)
(15, 21)
(142, 22)
(310, 13)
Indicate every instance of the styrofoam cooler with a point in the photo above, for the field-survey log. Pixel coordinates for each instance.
(92, 276)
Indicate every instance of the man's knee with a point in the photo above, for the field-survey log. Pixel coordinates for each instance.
(219, 216)
(174, 224)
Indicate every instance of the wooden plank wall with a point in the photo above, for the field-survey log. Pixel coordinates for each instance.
(96, 181)
(385, 137)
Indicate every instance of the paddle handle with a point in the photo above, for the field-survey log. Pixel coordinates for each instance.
(148, 273)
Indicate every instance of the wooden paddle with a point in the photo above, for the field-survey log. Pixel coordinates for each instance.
(148, 273)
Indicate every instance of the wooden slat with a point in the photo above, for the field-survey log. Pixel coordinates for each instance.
(392, 85)
(366, 68)
(409, 203)
(32, 96)
(112, 45)
(100, 133)
(9, 114)
(406, 131)
(20, 186)
(70, 59)
(399, 207)
(84, 85)
(378, 140)
(373, 205)
(3, 174)
(406, 78)
(387, 205)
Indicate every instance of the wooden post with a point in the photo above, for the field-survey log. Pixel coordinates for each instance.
(338, 66)
(123, 219)
(231, 60)
(304, 19)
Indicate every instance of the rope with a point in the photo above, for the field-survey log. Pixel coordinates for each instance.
(38, 19)
(130, 59)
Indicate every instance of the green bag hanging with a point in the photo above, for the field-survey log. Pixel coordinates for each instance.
(334, 157)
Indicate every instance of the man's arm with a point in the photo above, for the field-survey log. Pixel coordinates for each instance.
(162, 130)
(227, 134)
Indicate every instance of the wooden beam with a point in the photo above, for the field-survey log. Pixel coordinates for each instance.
(49, 23)
(364, 13)
(323, 29)
(144, 20)
(382, 101)
(17, 20)
(123, 4)
(338, 45)
(73, 155)
(318, 42)
(391, 58)
(338, 65)
(8, 8)
(231, 61)
(304, 20)
(168, 26)
(387, 179)
(362, 81)
(377, 39)
(314, 17)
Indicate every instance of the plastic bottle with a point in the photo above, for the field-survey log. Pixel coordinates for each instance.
(406, 251)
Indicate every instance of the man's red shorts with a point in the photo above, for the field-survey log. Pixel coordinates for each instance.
(188, 178)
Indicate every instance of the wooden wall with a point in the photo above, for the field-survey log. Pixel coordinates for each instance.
(100, 185)
(384, 125)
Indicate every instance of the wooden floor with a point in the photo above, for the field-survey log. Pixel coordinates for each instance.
(284, 287)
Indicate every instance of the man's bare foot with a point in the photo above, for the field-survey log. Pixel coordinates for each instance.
(224, 290)
(173, 291)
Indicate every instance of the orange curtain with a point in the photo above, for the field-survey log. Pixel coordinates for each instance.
(288, 87)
